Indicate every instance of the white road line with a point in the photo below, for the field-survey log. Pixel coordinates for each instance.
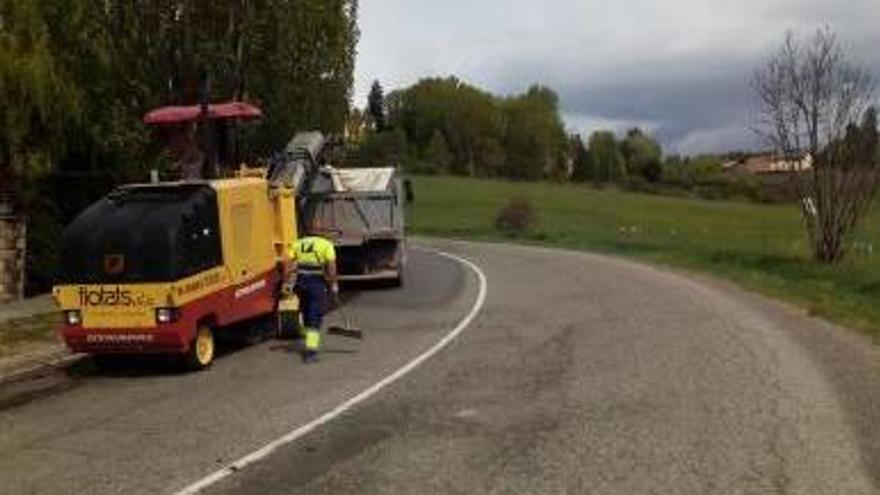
(298, 433)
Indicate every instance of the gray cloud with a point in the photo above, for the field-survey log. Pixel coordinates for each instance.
(680, 68)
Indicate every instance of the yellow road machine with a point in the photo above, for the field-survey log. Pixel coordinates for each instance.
(163, 268)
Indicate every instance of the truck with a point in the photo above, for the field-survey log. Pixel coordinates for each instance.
(362, 207)
(166, 268)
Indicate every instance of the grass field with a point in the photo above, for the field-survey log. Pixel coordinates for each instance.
(761, 247)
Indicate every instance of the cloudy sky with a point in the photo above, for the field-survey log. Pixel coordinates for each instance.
(680, 68)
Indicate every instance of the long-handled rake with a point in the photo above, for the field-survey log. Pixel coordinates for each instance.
(288, 313)
(347, 329)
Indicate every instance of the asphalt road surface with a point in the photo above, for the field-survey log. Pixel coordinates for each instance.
(581, 374)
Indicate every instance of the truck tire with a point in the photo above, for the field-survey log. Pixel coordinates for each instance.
(202, 350)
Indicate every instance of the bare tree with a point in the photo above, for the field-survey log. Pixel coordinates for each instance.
(816, 115)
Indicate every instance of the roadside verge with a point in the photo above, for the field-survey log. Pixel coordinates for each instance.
(29, 339)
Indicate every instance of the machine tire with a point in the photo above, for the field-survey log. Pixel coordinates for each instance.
(202, 350)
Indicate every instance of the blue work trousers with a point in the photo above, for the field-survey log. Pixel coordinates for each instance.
(312, 292)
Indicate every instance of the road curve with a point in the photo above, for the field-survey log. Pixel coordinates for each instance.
(582, 374)
(152, 429)
(586, 374)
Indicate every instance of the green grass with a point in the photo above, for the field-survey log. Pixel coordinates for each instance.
(761, 247)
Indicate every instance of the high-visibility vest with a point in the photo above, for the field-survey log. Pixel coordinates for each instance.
(313, 254)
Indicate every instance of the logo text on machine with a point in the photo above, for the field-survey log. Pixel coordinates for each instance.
(111, 297)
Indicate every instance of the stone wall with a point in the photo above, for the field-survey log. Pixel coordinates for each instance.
(12, 256)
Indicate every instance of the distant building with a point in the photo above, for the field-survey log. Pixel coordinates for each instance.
(768, 164)
(356, 127)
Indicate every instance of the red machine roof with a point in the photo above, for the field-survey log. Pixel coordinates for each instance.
(180, 114)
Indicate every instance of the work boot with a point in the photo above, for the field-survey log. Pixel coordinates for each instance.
(310, 357)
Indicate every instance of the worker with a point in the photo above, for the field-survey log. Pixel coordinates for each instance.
(315, 259)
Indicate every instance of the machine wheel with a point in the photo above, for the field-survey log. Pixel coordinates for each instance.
(201, 352)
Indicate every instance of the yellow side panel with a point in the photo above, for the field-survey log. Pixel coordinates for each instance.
(198, 286)
(247, 225)
(242, 215)
(285, 228)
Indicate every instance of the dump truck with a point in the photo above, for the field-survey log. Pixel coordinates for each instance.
(166, 268)
(363, 208)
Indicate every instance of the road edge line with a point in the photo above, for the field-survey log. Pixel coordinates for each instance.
(300, 432)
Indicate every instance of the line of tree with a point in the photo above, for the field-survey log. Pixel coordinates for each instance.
(76, 76)
(604, 159)
(444, 125)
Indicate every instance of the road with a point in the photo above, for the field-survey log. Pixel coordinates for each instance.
(581, 374)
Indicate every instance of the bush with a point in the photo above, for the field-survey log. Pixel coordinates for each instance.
(421, 167)
(381, 149)
(516, 217)
(640, 184)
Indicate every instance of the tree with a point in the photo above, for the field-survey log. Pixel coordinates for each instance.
(534, 137)
(376, 106)
(438, 155)
(519, 137)
(812, 99)
(582, 165)
(468, 118)
(37, 103)
(300, 66)
(608, 162)
(383, 149)
(475, 119)
(77, 75)
(643, 155)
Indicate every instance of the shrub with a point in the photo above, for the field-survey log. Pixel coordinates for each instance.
(516, 217)
(640, 184)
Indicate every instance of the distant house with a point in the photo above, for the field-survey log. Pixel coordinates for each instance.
(768, 164)
(356, 127)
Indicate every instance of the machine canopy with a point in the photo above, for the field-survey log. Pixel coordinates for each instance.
(182, 114)
(144, 234)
